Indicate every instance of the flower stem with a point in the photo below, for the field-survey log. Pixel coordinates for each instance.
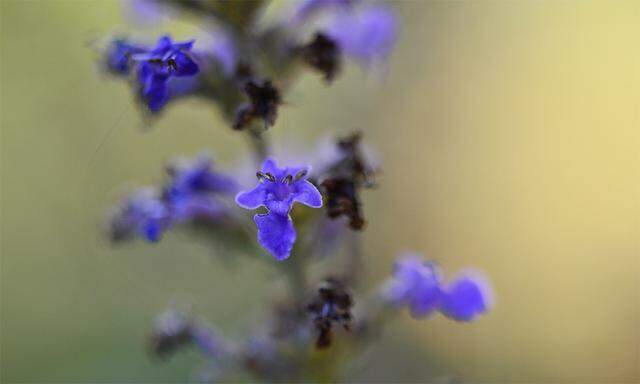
(259, 145)
(295, 271)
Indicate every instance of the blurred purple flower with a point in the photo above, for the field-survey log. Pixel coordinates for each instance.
(225, 52)
(277, 190)
(166, 60)
(366, 34)
(191, 193)
(467, 297)
(193, 189)
(143, 213)
(418, 285)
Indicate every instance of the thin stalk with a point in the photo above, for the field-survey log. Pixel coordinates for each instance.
(259, 145)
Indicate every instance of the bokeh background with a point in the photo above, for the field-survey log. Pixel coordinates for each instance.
(509, 133)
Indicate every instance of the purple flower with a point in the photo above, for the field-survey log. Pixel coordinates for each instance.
(191, 193)
(367, 35)
(225, 51)
(277, 190)
(467, 297)
(166, 60)
(193, 189)
(143, 213)
(418, 285)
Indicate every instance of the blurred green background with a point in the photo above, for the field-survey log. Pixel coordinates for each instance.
(509, 133)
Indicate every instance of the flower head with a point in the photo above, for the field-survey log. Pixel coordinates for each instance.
(193, 188)
(143, 213)
(418, 285)
(467, 297)
(166, 60)
(277, 190)
(192, 192)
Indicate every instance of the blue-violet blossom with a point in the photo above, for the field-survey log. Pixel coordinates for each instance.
(418, 285)
(166, 60)
(191, 193)
(192, 190)
(277, 190)
(143, 213)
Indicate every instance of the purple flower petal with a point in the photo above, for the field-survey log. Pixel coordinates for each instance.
(224, 50)
(270, 166)
(466, 298)
(156, 92)
(185, 65)
(276, 234)
(280, 207)
(366, 35)
(426, 299)
(307, 194)
(251, 199)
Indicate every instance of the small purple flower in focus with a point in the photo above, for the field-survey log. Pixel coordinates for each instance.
(367, 35)
(166, 60)
(277, 190)
(418, 285)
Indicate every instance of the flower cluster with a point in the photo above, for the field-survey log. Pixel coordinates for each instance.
(418, 285)
(233, 72)
(246, 72)
(193, 191)
(155, 67)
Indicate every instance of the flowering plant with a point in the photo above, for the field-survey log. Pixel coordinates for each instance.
(303, 207)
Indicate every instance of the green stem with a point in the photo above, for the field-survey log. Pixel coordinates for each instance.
(295, 270)
(259, 144)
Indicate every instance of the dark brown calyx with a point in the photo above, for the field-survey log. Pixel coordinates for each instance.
(323, 54)
(264, 100)
(331, 306)
(343, 181)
